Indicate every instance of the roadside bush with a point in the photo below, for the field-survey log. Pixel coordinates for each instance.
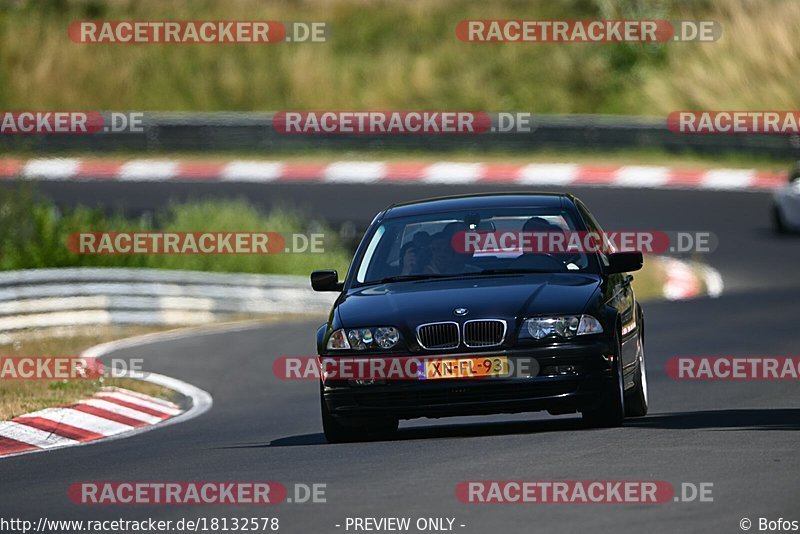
(34, 233)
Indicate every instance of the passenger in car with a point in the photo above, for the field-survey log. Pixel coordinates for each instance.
(444, 257)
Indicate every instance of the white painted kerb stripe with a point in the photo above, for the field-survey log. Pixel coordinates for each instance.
(547, 174)
(166, 410)
(82, 420)
(51, 168)
(354, 172)
(33, 436)
(633, 176)
(252, 171)
(122, 410)
(728, 179)
(148, 171)
(452, 173)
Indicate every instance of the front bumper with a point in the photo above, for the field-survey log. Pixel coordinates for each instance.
(522, 392)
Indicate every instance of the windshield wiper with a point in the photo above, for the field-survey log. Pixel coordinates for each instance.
(512, 271)
(416, 277)
(406, 278)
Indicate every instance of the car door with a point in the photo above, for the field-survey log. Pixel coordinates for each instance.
(618, 294)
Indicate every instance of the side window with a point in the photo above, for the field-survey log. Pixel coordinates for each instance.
(592, 225)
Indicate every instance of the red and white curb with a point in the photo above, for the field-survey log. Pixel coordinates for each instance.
(684, 282)
(112, 413)
(373, 172)
(109, 412)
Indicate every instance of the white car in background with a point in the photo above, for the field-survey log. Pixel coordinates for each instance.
(786, 204)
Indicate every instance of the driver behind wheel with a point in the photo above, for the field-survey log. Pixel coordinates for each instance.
(444, 257)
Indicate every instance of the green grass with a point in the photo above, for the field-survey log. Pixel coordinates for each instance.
(18, 397)
(33, 234)
(401, 55)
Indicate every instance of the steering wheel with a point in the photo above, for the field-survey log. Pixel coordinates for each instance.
(523, 261)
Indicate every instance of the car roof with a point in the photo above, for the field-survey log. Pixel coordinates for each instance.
(478, 201)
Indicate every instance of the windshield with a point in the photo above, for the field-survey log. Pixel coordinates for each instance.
(437, 245)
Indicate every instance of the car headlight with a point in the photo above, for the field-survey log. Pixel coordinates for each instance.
(383, 337)
(338, 341)
(387, 337)
(566, 326)
(359, 339)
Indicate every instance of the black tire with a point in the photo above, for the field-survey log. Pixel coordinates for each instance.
(636, 400)
(340, 430)
(611, 409)
(777, 220)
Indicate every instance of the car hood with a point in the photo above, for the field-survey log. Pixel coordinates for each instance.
(408, 304)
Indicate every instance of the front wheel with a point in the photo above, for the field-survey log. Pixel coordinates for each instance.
(611, 409)
(777, 221)
(636, 400)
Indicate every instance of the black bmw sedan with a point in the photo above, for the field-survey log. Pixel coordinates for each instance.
(492, 323)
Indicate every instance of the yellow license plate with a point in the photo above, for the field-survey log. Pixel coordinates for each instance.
(466, 367)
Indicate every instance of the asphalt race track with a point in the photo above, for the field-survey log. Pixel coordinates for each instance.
(738, 435)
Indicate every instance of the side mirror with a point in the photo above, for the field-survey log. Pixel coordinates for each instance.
(326, 281)
(624, 262)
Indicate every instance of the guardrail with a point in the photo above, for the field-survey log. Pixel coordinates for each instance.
(254, 132)
(42, 298)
